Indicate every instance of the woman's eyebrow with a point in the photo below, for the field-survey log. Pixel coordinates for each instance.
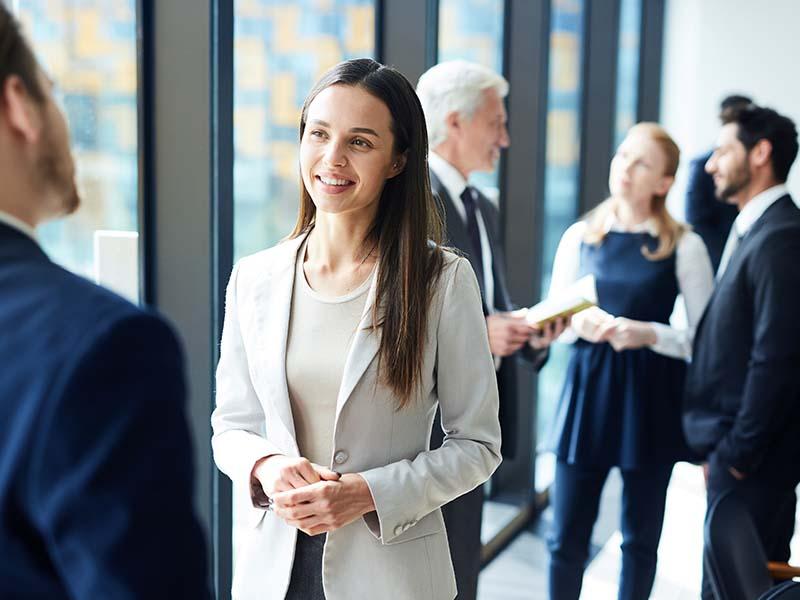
(366, 130)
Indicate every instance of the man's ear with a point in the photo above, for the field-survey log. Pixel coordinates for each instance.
(398, 165)
(761, 154)
(453, 122)
(21, 112)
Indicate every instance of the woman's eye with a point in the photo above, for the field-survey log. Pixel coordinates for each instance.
(361, 143)
(317, 133)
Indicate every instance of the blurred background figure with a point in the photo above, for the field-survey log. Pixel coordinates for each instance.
(466, 119)
(743, 391)
(621, 401)
(711, 217)
(96, 479)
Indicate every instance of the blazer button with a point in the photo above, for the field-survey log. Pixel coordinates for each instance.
(340, 457)
(398, 530)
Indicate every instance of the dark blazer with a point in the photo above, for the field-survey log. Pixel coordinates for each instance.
(95, 460)
(710, 217)
(457, 237)
(743, 386)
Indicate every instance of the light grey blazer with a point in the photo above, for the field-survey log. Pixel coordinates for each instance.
(400, 550)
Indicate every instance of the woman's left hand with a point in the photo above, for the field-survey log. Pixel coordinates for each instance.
(325, 505)
(627, 334)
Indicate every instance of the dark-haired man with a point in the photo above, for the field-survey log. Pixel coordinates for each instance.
(95, 461)
(710, 217)
(742, 407)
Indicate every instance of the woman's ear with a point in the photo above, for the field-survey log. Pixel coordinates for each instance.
(398, 164)
(664, 184)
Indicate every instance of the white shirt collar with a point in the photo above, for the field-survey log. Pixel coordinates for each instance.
(611, 223)
(19, 225)
(452, 180)
(758, 204)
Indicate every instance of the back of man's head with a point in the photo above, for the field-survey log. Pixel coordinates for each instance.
(16, 56)
(454, 86)
(756, 123)
(731, 104)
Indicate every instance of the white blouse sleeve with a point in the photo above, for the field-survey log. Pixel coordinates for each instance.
(695, 282)
(566, 267)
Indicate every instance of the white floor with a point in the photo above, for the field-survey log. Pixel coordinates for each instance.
(520, 572)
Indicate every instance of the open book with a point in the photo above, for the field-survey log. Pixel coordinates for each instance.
(577, 297)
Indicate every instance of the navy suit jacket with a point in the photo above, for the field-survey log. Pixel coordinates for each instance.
(95, 461)
(742, 404)
(710, 217)
(458, 237)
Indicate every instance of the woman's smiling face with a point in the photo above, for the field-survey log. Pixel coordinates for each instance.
(347, 151)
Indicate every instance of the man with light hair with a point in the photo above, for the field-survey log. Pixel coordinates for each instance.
(466, 120)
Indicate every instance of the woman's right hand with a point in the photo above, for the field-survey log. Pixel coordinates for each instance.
(279, 473)
(590, 324)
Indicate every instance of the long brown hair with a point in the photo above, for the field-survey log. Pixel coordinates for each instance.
(407, 230)
(670, 231)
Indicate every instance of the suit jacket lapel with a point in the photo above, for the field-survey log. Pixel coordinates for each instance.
(273, 301)
(366, 343)
(456, 228)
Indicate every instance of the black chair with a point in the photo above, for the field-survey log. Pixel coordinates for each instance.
(735, 559)
(734, 556)
(788, 590)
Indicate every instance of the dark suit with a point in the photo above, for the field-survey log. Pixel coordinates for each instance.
(95, 461)
(710, 217)
(463, 516)
(742, 405)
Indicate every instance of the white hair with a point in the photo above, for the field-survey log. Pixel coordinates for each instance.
(454, 86)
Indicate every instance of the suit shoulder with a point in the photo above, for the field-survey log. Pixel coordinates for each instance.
(265, 260)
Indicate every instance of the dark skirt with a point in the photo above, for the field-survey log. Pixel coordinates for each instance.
(306, 580)
(620, 409)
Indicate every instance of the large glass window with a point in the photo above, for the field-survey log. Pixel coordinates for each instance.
(281, 47)
(627, 68)
(89, 50)
(473, 30)
(562, 173)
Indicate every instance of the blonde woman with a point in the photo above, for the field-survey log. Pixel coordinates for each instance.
(621, 402)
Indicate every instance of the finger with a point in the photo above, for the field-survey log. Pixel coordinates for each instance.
(307, 471)
(295, 512)
(325, 473)
(309, 493)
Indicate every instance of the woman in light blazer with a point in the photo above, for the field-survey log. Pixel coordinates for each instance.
(338, 345)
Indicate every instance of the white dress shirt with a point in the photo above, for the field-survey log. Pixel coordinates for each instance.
(751, 213)
(455, 183)
(19, 225)
(693, 271)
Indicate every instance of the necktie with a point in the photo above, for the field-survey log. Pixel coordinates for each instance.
(468, 197)
(731, 245)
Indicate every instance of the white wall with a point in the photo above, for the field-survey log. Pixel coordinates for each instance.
(713, 48)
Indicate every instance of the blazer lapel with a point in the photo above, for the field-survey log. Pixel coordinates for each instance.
(366, 343)
(273, 301)
(456, 229)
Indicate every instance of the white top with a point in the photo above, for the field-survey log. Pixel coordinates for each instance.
(746, 218)
(693, 270)
(455, 183)
(321, 330)
(19, 225)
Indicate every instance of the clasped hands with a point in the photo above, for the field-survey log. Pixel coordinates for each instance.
(597, 326)
(310, 497)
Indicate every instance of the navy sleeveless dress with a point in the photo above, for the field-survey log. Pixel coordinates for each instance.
(624, 408)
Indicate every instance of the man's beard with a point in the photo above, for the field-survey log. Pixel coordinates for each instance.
(55, 173)
(739, 180)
